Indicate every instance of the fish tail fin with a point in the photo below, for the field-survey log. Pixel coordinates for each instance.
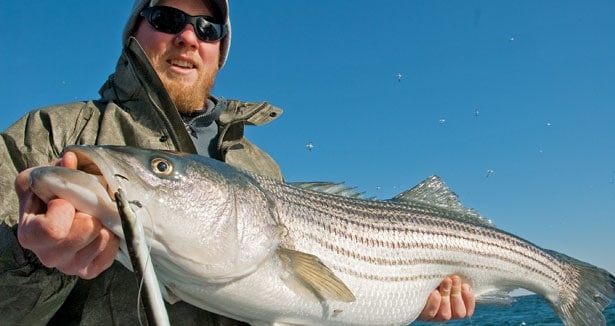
(584, 294)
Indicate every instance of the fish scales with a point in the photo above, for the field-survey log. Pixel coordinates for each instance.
(393, 230)
(267, 252)
(397, 227)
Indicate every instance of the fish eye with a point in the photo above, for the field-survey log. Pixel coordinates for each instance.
(162, 166)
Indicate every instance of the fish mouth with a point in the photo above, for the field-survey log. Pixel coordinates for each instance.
(90, 161)
(86, 164)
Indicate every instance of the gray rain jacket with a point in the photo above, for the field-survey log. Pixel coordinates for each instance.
(135, 110)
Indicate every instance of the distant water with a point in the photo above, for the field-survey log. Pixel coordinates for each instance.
(527, 310)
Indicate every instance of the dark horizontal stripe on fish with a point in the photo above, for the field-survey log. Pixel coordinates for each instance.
(414, 277)
(335, 248)
(490, 238)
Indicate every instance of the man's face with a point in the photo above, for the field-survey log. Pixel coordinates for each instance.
(186, 65)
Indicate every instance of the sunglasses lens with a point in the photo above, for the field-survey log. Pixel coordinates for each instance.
(208, 31)
(172, 21)
(167, 21)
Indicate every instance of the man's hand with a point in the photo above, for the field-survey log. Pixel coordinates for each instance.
(451, 300)
(73, 242)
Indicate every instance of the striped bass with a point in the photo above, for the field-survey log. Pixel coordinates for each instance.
(268, 252)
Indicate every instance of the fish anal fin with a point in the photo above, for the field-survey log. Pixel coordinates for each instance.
(495, 297)
(308, 276)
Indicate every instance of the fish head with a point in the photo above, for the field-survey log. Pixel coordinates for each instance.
(187, 204)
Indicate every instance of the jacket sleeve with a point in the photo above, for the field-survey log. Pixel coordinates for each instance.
(29, 292)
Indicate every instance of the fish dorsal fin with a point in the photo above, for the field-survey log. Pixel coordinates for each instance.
(307, 272)
(332, 188)
(433, 192)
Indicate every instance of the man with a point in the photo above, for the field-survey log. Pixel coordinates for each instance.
(57, 264)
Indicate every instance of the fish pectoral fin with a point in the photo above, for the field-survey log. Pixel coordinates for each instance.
(311, 274)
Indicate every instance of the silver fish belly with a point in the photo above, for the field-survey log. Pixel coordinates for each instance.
(269, 252)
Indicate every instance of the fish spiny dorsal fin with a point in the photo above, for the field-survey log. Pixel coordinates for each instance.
(433, 192)
(339, 189)
(307, 271)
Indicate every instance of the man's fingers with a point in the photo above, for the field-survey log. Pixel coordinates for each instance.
(105, 259)
(457, 304)
(69, 160)
(445, 290)
(22, 185)
(86, 247)
(94, 258)
(431, 307)
(73, 242)
(38, 230)
(469, 299)
(451, 300)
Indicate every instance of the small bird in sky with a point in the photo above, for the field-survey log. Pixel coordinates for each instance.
(398, 77)
(309, 146)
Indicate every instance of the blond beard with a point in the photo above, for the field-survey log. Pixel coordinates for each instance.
(190, 98)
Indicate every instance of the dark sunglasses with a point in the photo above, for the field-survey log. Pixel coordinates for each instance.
(172, 21)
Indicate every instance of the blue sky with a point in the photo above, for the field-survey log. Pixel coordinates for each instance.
(512, 103)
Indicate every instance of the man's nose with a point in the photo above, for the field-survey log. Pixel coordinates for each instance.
(187, 37)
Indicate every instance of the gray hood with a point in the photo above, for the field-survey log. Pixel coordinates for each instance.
(220, 8)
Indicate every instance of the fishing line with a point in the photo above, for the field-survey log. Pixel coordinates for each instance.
(141, 279)
(148, 261)
(140, 291)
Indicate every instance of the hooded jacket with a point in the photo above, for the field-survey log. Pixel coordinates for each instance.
(134, 110)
